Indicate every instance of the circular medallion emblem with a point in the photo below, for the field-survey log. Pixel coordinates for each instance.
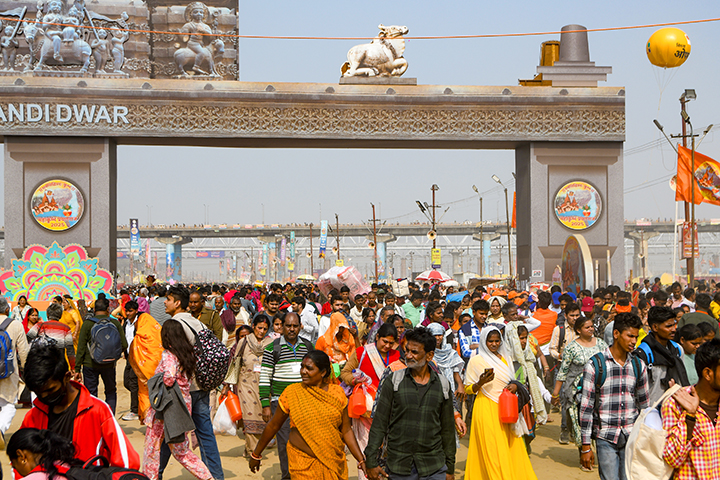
(57, 205)
(578, 205)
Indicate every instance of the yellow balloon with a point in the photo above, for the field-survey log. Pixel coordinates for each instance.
(668, 48)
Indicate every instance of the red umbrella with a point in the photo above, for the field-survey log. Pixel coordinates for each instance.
(433, 275)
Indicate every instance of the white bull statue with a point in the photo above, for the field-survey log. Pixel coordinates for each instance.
(382, 57)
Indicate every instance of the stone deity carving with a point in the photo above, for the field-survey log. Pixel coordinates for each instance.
(201, 49)
(9, 45)
(118, 49)
(101, 50)
(62, 45)
(382, 57)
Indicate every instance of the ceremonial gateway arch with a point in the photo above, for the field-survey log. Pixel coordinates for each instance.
(69, 128)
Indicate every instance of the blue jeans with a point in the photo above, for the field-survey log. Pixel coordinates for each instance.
(611, 458)
(91, 378)
(204, 432)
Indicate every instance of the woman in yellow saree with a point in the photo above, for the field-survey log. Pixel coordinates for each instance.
(319, 425)
(497, 450)
(72, 318)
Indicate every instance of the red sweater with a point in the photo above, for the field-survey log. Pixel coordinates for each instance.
(96, 432)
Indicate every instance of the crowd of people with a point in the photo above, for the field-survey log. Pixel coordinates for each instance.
(395, 380)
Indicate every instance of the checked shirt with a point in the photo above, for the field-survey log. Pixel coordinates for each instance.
(622, 397)
(698, 458)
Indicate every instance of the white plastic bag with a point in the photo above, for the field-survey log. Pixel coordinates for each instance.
(222, 423)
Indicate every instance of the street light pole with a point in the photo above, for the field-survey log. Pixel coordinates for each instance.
(482, 240)
(690, 261)
(312, 268)
(507, 218)
(434, 189)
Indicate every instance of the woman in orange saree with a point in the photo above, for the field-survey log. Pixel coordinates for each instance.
(319, 425)
(337, 342)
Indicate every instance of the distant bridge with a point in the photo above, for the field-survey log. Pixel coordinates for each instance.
(360, 230)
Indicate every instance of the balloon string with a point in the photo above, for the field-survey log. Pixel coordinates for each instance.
(433, 37)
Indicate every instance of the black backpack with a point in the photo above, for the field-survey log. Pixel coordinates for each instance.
(212, 357)
(103, 472)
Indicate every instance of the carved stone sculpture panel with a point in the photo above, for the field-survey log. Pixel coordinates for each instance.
(114, 39)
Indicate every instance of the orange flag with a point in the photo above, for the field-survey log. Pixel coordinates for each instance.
(514, 208)
(707, 178)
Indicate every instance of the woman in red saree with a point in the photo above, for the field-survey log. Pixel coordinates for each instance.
(319, 425)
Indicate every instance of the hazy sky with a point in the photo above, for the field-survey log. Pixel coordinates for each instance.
(177, 183)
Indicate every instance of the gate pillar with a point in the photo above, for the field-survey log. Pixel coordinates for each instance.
(88, 164)
(542, 170)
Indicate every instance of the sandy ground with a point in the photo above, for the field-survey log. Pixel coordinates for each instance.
(550, 460)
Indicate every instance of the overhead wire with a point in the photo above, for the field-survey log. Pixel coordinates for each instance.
(423, 37)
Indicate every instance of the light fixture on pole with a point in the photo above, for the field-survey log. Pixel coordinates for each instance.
(482, 240)
(507, 218)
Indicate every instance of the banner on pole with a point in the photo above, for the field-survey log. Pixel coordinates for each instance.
(134, 236)
(687, 241)
(283, 250)
(323, 237)
(436, 258)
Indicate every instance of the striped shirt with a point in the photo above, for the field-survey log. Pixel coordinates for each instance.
(274, 378)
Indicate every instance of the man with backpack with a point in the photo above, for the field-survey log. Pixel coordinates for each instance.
(414, 417)
(615, 390)
(100, 345)
(661, 354)
(690, 420)
(280, 367)
(176, 305)
(13, 351)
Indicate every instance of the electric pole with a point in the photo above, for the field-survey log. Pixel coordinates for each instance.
(337, 235)
(375, 242)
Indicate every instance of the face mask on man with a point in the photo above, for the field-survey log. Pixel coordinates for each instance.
(54, 399)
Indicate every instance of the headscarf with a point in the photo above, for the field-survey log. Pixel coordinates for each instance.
(503, 372)
(346, 345)
(502, 301)
(27, 316)
(228, 320)
(526, 359)
(143, 306)
(445, 357)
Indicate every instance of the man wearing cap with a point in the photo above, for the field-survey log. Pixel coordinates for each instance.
(555, 306)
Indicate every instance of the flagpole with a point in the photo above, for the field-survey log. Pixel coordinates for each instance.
(692, 205)
(675, 241)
